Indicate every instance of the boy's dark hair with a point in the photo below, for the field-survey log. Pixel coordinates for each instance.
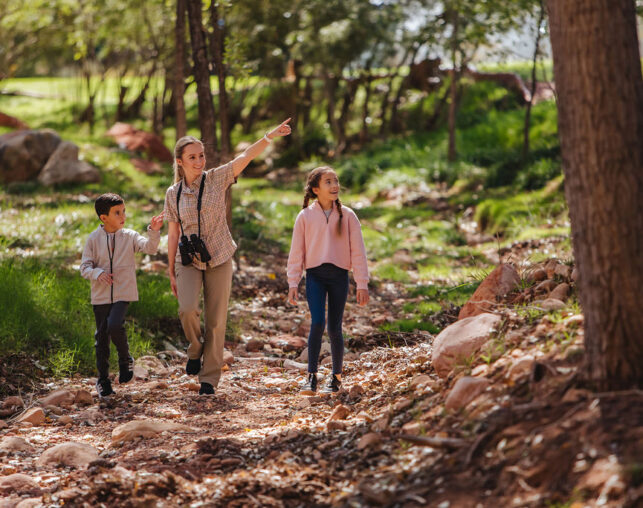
(105, 202)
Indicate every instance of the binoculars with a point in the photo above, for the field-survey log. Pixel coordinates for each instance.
(189, 247)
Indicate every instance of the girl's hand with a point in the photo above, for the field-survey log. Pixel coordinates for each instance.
(157, 222)
(362, 297)
(293, 295)
(173, 286)
(283, 130)
(106, 278)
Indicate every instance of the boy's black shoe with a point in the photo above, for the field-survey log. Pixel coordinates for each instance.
(193, 367)
(311, 385)
(126, 371)
(206, 389)
(333, 385)
(104, 387)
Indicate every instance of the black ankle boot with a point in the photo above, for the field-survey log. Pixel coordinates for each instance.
(206, 389)
(193, 367)
(126, 371)
(311, 385)
(333, 385)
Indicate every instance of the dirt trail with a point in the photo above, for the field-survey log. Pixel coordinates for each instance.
(385, 440)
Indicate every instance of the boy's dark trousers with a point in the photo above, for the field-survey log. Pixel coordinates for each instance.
(110, 319)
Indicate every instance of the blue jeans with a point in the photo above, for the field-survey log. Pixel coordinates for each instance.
(321, 280)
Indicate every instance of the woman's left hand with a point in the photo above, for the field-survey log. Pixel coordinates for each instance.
(362, 297)
(283, 130)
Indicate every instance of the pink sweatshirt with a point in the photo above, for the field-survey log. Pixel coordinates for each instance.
(315, 241)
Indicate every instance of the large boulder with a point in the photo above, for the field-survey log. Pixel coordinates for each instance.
(12, 122)
(70, 454)
(63, 167)
(24, 153)
(146, 429)
(18, 483)
(497, 284)
(136, 140)
(461, 339)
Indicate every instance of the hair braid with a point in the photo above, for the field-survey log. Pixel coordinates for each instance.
(341, 216)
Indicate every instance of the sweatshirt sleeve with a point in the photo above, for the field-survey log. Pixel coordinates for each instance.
(358, 252)
(88, 268)
(147, 245)
(297, 256)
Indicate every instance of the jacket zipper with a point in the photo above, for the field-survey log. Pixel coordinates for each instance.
(111, 267)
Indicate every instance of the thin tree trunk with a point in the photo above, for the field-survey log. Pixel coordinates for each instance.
(453, 154)
(368, 86)
(330, 86)
(307, 102)
(134, 109)
(525, 144)
(207, 122)
(349, 96)
(217, 46)
(597, 69)
(179, 69)
(385, 100)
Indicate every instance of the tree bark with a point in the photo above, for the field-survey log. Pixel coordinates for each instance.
(179, 70)
(207, 122)
(217, 46)
(525, 144)
(600, 120)
(453, 104)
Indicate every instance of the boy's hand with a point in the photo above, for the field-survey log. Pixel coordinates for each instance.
(157, 222)
(293, 295)
(362, 297)
(106, 278)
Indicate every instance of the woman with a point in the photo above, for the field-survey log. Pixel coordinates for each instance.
(196, 213)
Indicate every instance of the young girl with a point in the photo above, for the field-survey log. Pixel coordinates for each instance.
(327, 241)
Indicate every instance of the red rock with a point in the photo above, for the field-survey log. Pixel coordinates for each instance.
(147, 167)
(288, 342)
(254, 345)
(602, 471)
(355, 391)
(335, 425)
(545, 286)
(381, 424)
(34, 416)
(461, 339)
(560, 292)
(13, 401)
(228, 357)
(497, 284)
(339, 413)
(420, 380)
(137, 140)
(11, 444)
(550, 304)
(70, 454)
(368, 440)
(83, 397)
(465, 390)
(12, 122)
(521, 367)
(18, 484)
(58, 398)
(146, 429)
(536, 275)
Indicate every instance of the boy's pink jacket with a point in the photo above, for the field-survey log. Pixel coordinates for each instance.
(315, 241)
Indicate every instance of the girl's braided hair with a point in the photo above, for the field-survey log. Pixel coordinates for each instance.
(313, 181)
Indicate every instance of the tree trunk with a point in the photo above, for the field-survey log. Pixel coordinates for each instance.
(597, 69)
(453, 105)
(349, 97)
(179, 69)
(330, 86)
(525, 144)
(217, 46)
(207, 122)
(134, 109)
(368, 86)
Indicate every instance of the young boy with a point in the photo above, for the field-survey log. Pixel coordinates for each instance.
(108, 262)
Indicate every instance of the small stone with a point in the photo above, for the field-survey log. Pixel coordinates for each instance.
(574, 275)
(355, 391)
(3, 424)
(59, 398)
(18, 483)
(551, 304)
(152, 365)
(254, 345)
(564, 271)
(327, 361)
(193, 387)
(402, 404)
(604, 470)
(335, 425)
(13, 444)
(560, 292)
(381, 424)
(70, 454)
(545, 286)
(368, 440)
(34, 416)
(420, 380)
(288, 342)
(228, 357)
(414, 428)
(465, 390)
(83, 398)
(140, 372)
(65, 419)
(146, 429)
(340, 413)
(13, 401)
(303, 357)
(536, 275)
(522, 367)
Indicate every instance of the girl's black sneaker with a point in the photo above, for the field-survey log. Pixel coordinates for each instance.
(193, 367)
(126, 371)
(311, 385)
(104, 387)
(333, 385)
(206, 389)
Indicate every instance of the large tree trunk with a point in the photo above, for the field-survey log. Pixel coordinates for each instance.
(207, 122)
(179, 69)
(525, 144)
(600, 96)
(217, 45)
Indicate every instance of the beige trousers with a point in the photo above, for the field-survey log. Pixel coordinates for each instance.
(216, 283)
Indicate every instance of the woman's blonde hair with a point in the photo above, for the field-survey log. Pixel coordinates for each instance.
(178, 153)
(313, 181)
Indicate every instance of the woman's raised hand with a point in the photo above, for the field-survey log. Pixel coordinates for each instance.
(283, 130)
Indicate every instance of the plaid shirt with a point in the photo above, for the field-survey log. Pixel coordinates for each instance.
(214, 228)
